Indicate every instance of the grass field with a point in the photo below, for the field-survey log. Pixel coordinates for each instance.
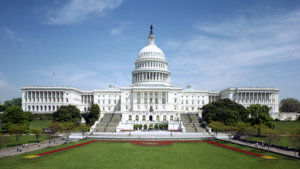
(286, 127)
(39, 124)
(125, 155)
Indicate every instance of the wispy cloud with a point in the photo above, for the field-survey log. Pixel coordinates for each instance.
(119, 28)
(234, 52)
(77, 11)
(11, 35)
(98, 76)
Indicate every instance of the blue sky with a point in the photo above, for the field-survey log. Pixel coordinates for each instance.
(90, 44)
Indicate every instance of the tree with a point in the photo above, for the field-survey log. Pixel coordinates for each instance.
(83, 128)
(295, 140)
(4, 139)
(289, 105)
(271, 136)
(11, 103)
(66, 128)
(67, 114)
(37, 133)
(225, 111)
(93, 115)
(242, 127)
(260, 116)
(217, 126)
(14, 115)
(18, 130)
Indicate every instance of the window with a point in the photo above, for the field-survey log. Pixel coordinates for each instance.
(144, 118)
(171, 118)
(165, 118)
(136, 118)
(129, 118)
(157, 118)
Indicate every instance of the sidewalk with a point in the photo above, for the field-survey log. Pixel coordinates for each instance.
(30, 147)
(264, 148)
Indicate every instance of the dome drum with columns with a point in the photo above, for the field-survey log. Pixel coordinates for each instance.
(150, 99)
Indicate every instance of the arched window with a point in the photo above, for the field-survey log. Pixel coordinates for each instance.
(53, 108)
(144, 118)
(37, 108)
(171, 118)
(29, 108)
(130, 118)
(136, 118)
(157, 118)
(165, 118)
(45, 108)
(32, 108)
(49, 108)
(41, 108)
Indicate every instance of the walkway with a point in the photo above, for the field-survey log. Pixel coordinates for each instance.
(30, 147)
(264, 148)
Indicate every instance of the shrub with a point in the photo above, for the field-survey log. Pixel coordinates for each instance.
(145, 126)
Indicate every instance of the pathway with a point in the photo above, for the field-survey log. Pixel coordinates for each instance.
(265, 148)
(30, 147)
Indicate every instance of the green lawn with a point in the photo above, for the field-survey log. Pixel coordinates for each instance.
(22, 140)
(286, 127)
(125, 155)
(40, 124)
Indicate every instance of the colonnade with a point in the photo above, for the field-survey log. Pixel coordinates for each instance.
(254, 97)
(150, 65)
(151, 76)
(44, 97)
(87, 99)
(150, 97)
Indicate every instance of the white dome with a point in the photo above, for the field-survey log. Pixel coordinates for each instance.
(151, 51)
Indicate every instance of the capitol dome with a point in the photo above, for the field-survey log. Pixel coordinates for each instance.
(151, 50)
(151, 67)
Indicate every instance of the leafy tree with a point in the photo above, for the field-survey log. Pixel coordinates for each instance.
(289, 105)
(67, 114)
(14, 115)
(18, 130)
(242, 127)
(217, 126)
(29, 115)
(83, 128)
(260, 117)
(37, 133)
(11, 103)
(145, 126)
(225, 111)
(295, 140)
(271, 136)
(93, 115)
(66, 128)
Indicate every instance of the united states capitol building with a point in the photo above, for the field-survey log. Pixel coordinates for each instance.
(149, 99)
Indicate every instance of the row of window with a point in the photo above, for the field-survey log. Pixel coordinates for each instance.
(150, 118)
(151, 64)
(42, 108)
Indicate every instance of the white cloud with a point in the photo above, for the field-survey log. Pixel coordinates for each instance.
(235, 52)
(77, 11)
(121, 26)
(11, 35)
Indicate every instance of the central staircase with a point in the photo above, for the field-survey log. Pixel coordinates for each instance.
(192, 123)
(109, 122)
